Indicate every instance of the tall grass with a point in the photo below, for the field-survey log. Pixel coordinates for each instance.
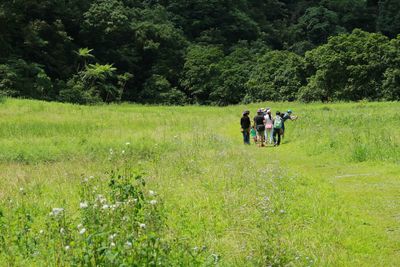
(307, 202)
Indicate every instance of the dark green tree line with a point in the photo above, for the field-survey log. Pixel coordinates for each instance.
(216, 52)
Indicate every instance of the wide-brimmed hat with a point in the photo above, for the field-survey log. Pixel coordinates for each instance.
(246, 112)
(259, 110)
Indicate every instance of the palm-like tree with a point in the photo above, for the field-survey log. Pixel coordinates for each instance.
(85, 55)
(98, 72)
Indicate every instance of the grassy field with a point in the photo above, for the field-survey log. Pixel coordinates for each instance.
(328, 196)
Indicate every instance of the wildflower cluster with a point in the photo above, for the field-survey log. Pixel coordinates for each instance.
(118, 221)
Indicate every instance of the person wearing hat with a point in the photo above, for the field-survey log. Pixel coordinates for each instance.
(287, 116)
(277, 132)
(268, 126)
(245, 125)
(259, 123)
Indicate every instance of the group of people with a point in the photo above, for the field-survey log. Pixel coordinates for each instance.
(265, 128)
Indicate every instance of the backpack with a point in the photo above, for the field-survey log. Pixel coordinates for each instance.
(278, 122)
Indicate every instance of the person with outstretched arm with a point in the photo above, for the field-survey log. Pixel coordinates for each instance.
(287, 116)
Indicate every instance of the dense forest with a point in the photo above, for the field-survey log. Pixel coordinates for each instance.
(200, 51)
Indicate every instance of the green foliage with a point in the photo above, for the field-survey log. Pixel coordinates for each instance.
(234, 71)
(354, 13)
(277, 75)
(216, 22)
(391, 81)
(200, 72)
(157, 89)
(161, 42)
(348, 67)
(317, 24)
(106, 18)
(388, 21)
(19, 78)
(93, 84)
(118, 223)
(391, 84)
(85, 53)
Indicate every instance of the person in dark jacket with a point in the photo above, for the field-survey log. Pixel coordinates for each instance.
(277, 132)
(259, 123)
(245, 125)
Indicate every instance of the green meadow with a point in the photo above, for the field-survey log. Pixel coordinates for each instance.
(328, 196)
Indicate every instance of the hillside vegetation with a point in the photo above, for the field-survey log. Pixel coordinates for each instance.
(216, 52)
(144, 185)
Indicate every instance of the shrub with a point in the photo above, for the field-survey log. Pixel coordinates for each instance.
(20, 78)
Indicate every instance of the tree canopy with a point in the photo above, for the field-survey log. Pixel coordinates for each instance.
(216, 52)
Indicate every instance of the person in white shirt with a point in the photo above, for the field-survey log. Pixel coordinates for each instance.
(268, 126)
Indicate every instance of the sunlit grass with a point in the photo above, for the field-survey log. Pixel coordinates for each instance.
(326, 196)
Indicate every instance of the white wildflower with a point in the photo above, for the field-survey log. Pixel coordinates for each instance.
(62, 231)
(56, 211)
(82, 231)
(112, 237)
(67, 248)
(83, 205)
(142, 225)
(153, 202)
(41, 232)
(85, 179)
(105, 206)
(112, 244)
(132, 201)
(152, 193)
(128, 244)
(101, 199)
(21, 189)
(111, 151)
(123, 151)
(80, 226)
(282, 211)
(127, 143)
